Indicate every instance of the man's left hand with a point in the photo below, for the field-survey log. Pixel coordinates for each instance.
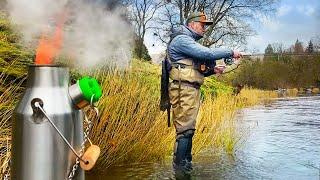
(219, 69)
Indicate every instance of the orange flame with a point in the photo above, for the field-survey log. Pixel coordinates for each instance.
(49, 47)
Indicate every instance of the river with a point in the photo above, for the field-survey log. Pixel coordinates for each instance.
(282, 141)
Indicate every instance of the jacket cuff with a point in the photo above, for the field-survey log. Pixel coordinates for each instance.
(231, 54)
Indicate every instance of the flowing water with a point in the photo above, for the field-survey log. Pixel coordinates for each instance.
(282, 142)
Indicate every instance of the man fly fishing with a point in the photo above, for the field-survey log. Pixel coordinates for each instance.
(183, 71)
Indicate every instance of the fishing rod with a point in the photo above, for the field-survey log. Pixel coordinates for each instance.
(278, 54)
(231, 61)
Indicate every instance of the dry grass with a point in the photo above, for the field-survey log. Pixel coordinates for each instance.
(9, 96)
(292, 92)
(315, 90)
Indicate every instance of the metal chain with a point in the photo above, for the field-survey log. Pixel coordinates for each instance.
(86, 138)
(7, 174)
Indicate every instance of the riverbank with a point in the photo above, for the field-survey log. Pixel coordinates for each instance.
(298, 92)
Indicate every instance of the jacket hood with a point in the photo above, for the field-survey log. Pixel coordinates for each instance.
(182, 29)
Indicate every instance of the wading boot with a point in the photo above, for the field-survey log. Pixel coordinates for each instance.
(189, 155)
(182, 155)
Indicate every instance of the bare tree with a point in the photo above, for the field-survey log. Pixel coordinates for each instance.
(230, 18)
(141, 15)
(166, 21)
(278, 48)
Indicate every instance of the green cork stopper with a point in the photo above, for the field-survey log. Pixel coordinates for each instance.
(90, 87)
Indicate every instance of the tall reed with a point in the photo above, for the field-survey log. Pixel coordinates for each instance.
(10, 93)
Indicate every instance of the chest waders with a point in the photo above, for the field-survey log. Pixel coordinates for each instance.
(184, 94)
(183, 90)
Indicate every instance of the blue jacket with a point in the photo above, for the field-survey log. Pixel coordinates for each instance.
(184, 46)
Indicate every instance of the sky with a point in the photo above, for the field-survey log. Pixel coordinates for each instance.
(294, 19)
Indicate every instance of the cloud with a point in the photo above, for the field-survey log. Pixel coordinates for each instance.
(307, 10)
(272, 24)
(284, 10)
(257, 42)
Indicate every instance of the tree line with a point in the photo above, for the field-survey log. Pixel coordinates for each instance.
(293, 67)
(313, 46)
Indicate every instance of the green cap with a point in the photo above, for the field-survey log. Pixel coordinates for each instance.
(90, 87)
(198, 17)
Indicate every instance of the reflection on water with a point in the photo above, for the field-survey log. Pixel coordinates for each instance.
(283, 143)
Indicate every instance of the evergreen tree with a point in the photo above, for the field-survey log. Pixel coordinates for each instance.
(310, 48)
(140, 51)
(298, 47)
(269, 49)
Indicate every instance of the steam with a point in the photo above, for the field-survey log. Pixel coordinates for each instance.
(93, 36)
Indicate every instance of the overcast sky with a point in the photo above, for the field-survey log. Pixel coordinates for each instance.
(294, 19)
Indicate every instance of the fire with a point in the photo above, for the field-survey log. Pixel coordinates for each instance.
(48, 46)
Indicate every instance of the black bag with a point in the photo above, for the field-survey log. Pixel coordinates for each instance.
(165, 99)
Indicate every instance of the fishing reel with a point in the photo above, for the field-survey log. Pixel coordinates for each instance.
(228, 61)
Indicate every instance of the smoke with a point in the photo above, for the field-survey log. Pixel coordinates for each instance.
(93, 36)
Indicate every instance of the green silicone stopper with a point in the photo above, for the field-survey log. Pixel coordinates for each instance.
(89, 87)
